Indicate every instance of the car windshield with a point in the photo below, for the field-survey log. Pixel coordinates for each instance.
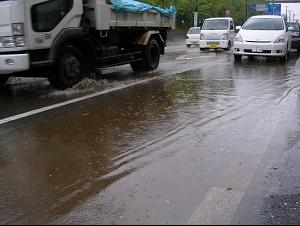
(269, 24)
(295, 26)
(218, 24)
(195, 30)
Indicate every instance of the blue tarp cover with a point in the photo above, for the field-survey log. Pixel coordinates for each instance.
(135, 6)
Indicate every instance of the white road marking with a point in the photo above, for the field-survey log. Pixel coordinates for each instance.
(218, 207)
(69, 102)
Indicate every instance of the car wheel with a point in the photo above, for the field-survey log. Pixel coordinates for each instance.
(189, 46)
(284, 58)
(237, 57)
(229, 47)
(3, 80)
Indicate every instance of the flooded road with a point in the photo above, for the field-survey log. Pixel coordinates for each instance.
(203, 140)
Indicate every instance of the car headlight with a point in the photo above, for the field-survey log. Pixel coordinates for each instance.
(225, 36)
(238, 38)
(7, 42)
(18, 29)
(280, 39)
(202, 37)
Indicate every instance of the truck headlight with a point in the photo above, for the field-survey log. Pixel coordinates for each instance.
(7, 42)
(20, 41)
(18, 29)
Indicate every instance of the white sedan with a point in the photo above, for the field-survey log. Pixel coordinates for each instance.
(193, 37)
(266, 36)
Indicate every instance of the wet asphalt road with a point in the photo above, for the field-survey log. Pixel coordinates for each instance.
(203, 141)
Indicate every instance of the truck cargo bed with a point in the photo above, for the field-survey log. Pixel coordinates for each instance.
(104, 17)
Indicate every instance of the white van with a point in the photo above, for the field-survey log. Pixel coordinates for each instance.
(217, 33)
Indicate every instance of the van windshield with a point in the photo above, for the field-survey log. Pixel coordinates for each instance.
(217, 24)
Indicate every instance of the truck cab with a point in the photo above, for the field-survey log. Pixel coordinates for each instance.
(28, 30)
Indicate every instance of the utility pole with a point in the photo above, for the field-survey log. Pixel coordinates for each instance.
(196, 15)
(293, 17)
(286, 12)
(247, 9)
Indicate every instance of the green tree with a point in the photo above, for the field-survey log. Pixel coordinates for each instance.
(207, 9)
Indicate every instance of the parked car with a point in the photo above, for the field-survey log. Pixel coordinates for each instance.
(266, 36)
(295, 35)
(193, 37)
(217, 33)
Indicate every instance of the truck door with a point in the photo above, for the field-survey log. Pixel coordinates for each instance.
(47, 18)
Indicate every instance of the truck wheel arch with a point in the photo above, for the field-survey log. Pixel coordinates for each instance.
(147, 36)
(75, 37)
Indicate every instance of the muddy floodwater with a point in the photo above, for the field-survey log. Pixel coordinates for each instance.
(204, 141)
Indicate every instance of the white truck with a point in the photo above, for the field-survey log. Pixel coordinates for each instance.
(65, 40)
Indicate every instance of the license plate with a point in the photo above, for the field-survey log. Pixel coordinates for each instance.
(257, 49)
(194, 42)
(213, 46)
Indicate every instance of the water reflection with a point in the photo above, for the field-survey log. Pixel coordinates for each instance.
(53, 162)
(50, 166)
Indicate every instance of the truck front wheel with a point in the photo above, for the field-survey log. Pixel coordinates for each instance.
(151, 58)
(3, 79)
(68, 69)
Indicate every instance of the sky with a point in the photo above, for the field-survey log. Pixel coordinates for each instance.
(294, 7)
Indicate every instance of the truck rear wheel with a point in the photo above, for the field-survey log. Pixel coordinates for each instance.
(68, 69)
(3, 79)
(151, 58)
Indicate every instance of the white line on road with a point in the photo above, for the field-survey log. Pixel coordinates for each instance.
(218, 208)
(69, 102)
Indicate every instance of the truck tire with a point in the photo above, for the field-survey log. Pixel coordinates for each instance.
(3, 79)
(68, 68)
(138, 66)
(151, 58)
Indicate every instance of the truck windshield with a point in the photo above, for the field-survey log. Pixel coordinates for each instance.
(218, 24)
(268, 24)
